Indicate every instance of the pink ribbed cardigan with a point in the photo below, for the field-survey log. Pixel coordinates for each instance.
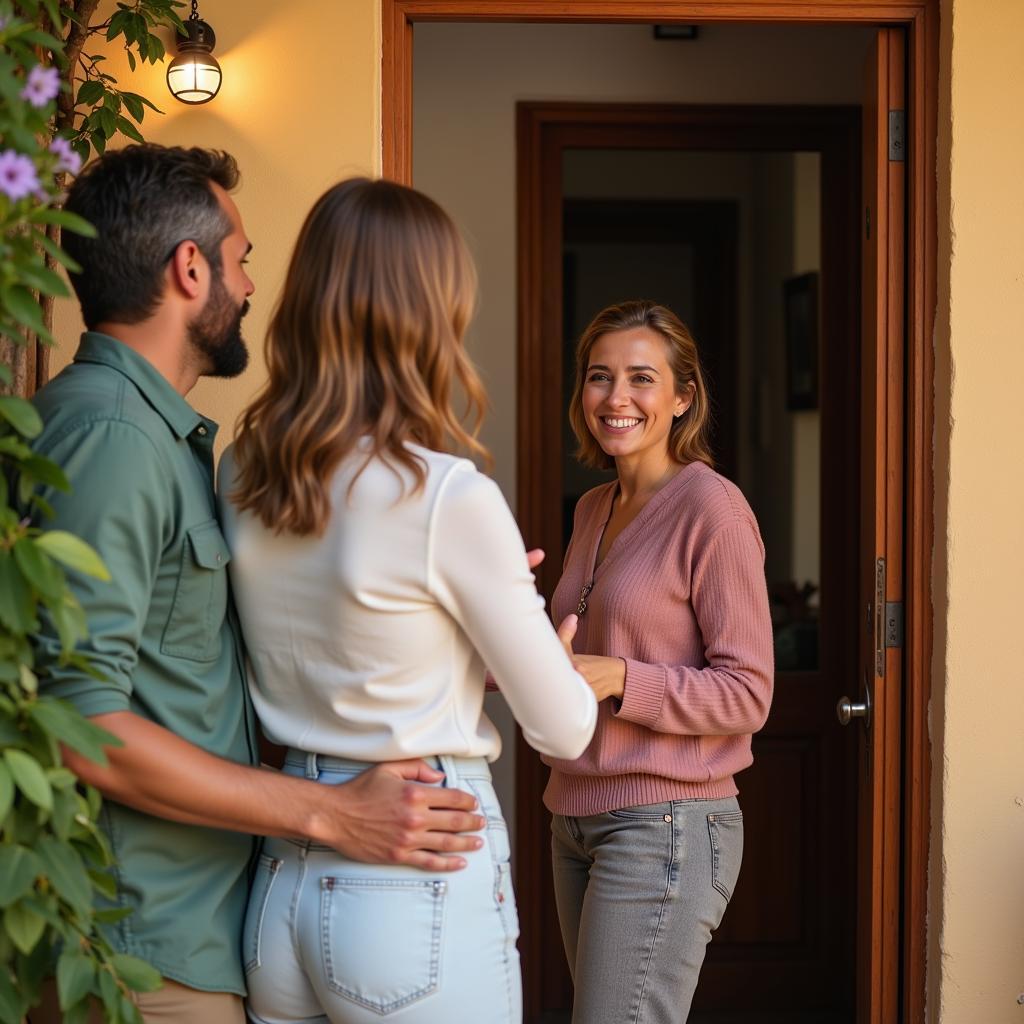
(681, 597)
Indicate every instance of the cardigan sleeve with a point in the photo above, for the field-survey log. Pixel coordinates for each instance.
(477, 570)
(732, 693)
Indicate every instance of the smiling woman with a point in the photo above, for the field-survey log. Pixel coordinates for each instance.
(665, 571)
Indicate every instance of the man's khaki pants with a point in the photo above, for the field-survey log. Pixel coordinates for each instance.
(173, 1004)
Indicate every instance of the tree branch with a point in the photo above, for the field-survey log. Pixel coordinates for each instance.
(77, 35)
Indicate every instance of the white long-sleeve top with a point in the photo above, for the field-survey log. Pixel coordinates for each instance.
(370, 641)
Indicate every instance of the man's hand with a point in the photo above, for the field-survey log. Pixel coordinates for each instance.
(391, 814)
(388, 815)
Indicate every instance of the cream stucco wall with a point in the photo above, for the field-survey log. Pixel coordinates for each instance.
(978, 696)
(300, 108)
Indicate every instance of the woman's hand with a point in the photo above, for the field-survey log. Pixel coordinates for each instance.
(606, 676)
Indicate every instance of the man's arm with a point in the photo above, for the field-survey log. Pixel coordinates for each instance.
(387, 815)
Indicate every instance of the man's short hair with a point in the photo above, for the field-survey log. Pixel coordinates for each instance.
(144, 201)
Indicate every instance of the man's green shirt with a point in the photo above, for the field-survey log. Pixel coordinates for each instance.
(164, 635)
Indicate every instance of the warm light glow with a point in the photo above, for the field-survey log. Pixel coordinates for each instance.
(194, 77)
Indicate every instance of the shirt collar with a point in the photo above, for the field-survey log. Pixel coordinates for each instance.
(153, 385)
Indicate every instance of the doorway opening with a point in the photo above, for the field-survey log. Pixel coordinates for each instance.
(899, 987)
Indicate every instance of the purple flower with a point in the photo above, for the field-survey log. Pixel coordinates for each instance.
(42, 85)
(67, 158)
(17, 175)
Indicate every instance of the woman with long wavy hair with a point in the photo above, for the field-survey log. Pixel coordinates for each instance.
(665, 576)
(375, 573)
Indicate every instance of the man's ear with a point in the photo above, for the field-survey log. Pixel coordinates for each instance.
(188, 270)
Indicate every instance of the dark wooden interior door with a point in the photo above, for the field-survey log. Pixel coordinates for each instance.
(786, 950)
(880, 661)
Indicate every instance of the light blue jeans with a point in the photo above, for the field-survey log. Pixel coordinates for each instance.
(639, 891)
(331, 939)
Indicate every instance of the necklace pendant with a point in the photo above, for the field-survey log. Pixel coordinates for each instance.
(582, 606)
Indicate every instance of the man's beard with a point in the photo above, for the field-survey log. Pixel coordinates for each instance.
(217, 333)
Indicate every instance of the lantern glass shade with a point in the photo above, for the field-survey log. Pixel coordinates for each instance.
(194, 77)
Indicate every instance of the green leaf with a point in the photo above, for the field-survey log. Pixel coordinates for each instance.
(5, 374)
(111, 915)
(104, 882)
(75, 972)
(134, 106)
(17, 609)
(6, 791)
(67, 874)
(24, 926)
(40, 38)
(136, 973)
(21, 415)
(125, 127)
(38, 569)
(56, 252)
(89, 93)
(65, 806)
(131, 59)
(73, 552)
(18, 870)
(43, 280)
(30, 778)
(63, 218)
(72, 729)
(46, 471)
(107, 121)
(19, 303)
(13, 1003)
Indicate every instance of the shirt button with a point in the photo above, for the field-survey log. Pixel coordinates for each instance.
(201, 431)
(220, 558)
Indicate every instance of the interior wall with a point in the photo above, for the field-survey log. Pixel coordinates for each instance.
(467, 79)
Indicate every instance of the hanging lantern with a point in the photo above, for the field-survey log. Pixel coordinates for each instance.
(194, 75)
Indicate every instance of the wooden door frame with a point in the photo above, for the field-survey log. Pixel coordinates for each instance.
(920, 19)
(546, 131)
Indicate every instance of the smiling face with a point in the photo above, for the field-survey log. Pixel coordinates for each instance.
(629, 396)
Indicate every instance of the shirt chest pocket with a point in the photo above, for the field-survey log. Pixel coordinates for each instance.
(195, 626)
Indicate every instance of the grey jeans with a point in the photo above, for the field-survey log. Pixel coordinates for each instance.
(639, 891)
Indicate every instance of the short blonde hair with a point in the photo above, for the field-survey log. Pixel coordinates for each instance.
(687, 440)
(366, 340)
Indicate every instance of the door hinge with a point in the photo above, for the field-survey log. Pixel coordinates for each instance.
(879, 623)
(897, 135)
(893, 623)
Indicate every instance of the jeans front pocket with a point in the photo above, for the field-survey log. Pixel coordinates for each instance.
(381, 939)
(193, 629)
(259, 896)
(725, 830)
(497, 829)
(644, 812)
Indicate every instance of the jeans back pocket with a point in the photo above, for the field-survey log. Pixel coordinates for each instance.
(381, 939)
(725, 830)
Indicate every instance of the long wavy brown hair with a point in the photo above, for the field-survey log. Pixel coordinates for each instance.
(365, 341)
(688, 438)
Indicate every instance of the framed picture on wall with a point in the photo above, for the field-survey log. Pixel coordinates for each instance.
(800, 296)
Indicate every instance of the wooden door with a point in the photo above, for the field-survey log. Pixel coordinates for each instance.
(786, 950)
(880, 664)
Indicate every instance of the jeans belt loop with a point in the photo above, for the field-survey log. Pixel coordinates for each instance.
(451, 777)
(312, 769)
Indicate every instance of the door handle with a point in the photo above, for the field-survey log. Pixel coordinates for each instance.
(847, 710)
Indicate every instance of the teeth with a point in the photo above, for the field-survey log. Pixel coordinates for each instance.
(620, 422)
